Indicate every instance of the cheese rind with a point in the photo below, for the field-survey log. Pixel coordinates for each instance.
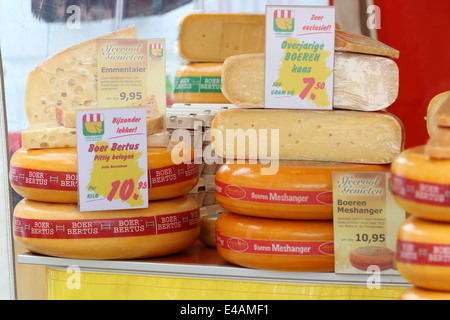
(341, 136)
(431, 270)
(353, 42)
(273, 244)
(362, 82)
(415, 170)
(199, 83)
(299, 190)
(213, 37)
(67, 80)
(60, 230)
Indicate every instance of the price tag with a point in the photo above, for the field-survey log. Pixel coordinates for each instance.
(112, 159)
(299, 57)
(132, 73)
(366, 220)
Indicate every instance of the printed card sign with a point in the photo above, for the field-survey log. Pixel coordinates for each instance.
(366, 220)
(132, 73)
(112, 165)
(299, 57)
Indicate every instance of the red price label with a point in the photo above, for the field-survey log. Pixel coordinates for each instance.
(310, 84)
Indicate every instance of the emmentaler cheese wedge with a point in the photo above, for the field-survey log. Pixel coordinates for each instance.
(338, 135)
(361, 82)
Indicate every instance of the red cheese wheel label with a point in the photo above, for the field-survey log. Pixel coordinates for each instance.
(423, 253)
(42, 179)
(274, 196)
(106, 228)
(275, 247)
(161, 177)
(419, 191)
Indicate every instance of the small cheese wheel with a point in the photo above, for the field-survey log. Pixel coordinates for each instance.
(299, 190)
(208, 231)
(199, 83)
(415, 293)
(50, 175)
(60, 230)
(421, 184)
(423, 253)
(364, 257)
(274, 244)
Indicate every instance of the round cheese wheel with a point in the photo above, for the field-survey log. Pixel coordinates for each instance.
(50, 175)
(421, 184)
(275, 244)
(299, 190)
(199, 83)
(423, 253)
(364, 257)
(60, 230)
(415, 293)
(208, 231)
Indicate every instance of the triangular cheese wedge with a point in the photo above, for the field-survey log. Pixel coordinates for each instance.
(438, 146)
(67, 80)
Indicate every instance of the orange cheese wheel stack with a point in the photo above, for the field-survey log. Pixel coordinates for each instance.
(50, 175)
(166, 227)
(299, 190)
(275, 244)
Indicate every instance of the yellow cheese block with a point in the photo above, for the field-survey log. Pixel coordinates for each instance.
(199, 83)
(433, 107)
(60, 230)
(361, 82)
(213, 37)
(67, 80)
(423, 248)
(421, 184)
(341, 136)
(49, 134)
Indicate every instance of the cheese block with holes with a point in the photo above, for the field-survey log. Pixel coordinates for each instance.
(60, 230)
(338, 135)
(361, 82)
(199, 83)
(423, 253)
(67, 79)
(50, 175)
(298, 190)
(421, 184)
(273, 244)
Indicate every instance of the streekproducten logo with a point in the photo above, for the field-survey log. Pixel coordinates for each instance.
(156, 51)
(93, 124)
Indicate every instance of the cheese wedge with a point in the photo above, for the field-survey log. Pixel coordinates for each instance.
(346, 41)
(49, 134)
(438, 146)
(213, 37)
(67, 80)
(362, 82)
(442, 116)
(433, 107)
(339, 135)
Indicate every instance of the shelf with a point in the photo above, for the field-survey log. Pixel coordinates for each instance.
(201, 262)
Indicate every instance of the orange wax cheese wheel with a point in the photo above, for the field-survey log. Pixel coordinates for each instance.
(275, 244)
(423, 253)
(421, 184)
(50, 175)
(416, 293)
(299, 190)
(60, 230)
(199, 83)
(364, 257)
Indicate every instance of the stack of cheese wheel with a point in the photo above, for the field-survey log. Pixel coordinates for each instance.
(45, 173)
(283, 221)
(421, 185)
